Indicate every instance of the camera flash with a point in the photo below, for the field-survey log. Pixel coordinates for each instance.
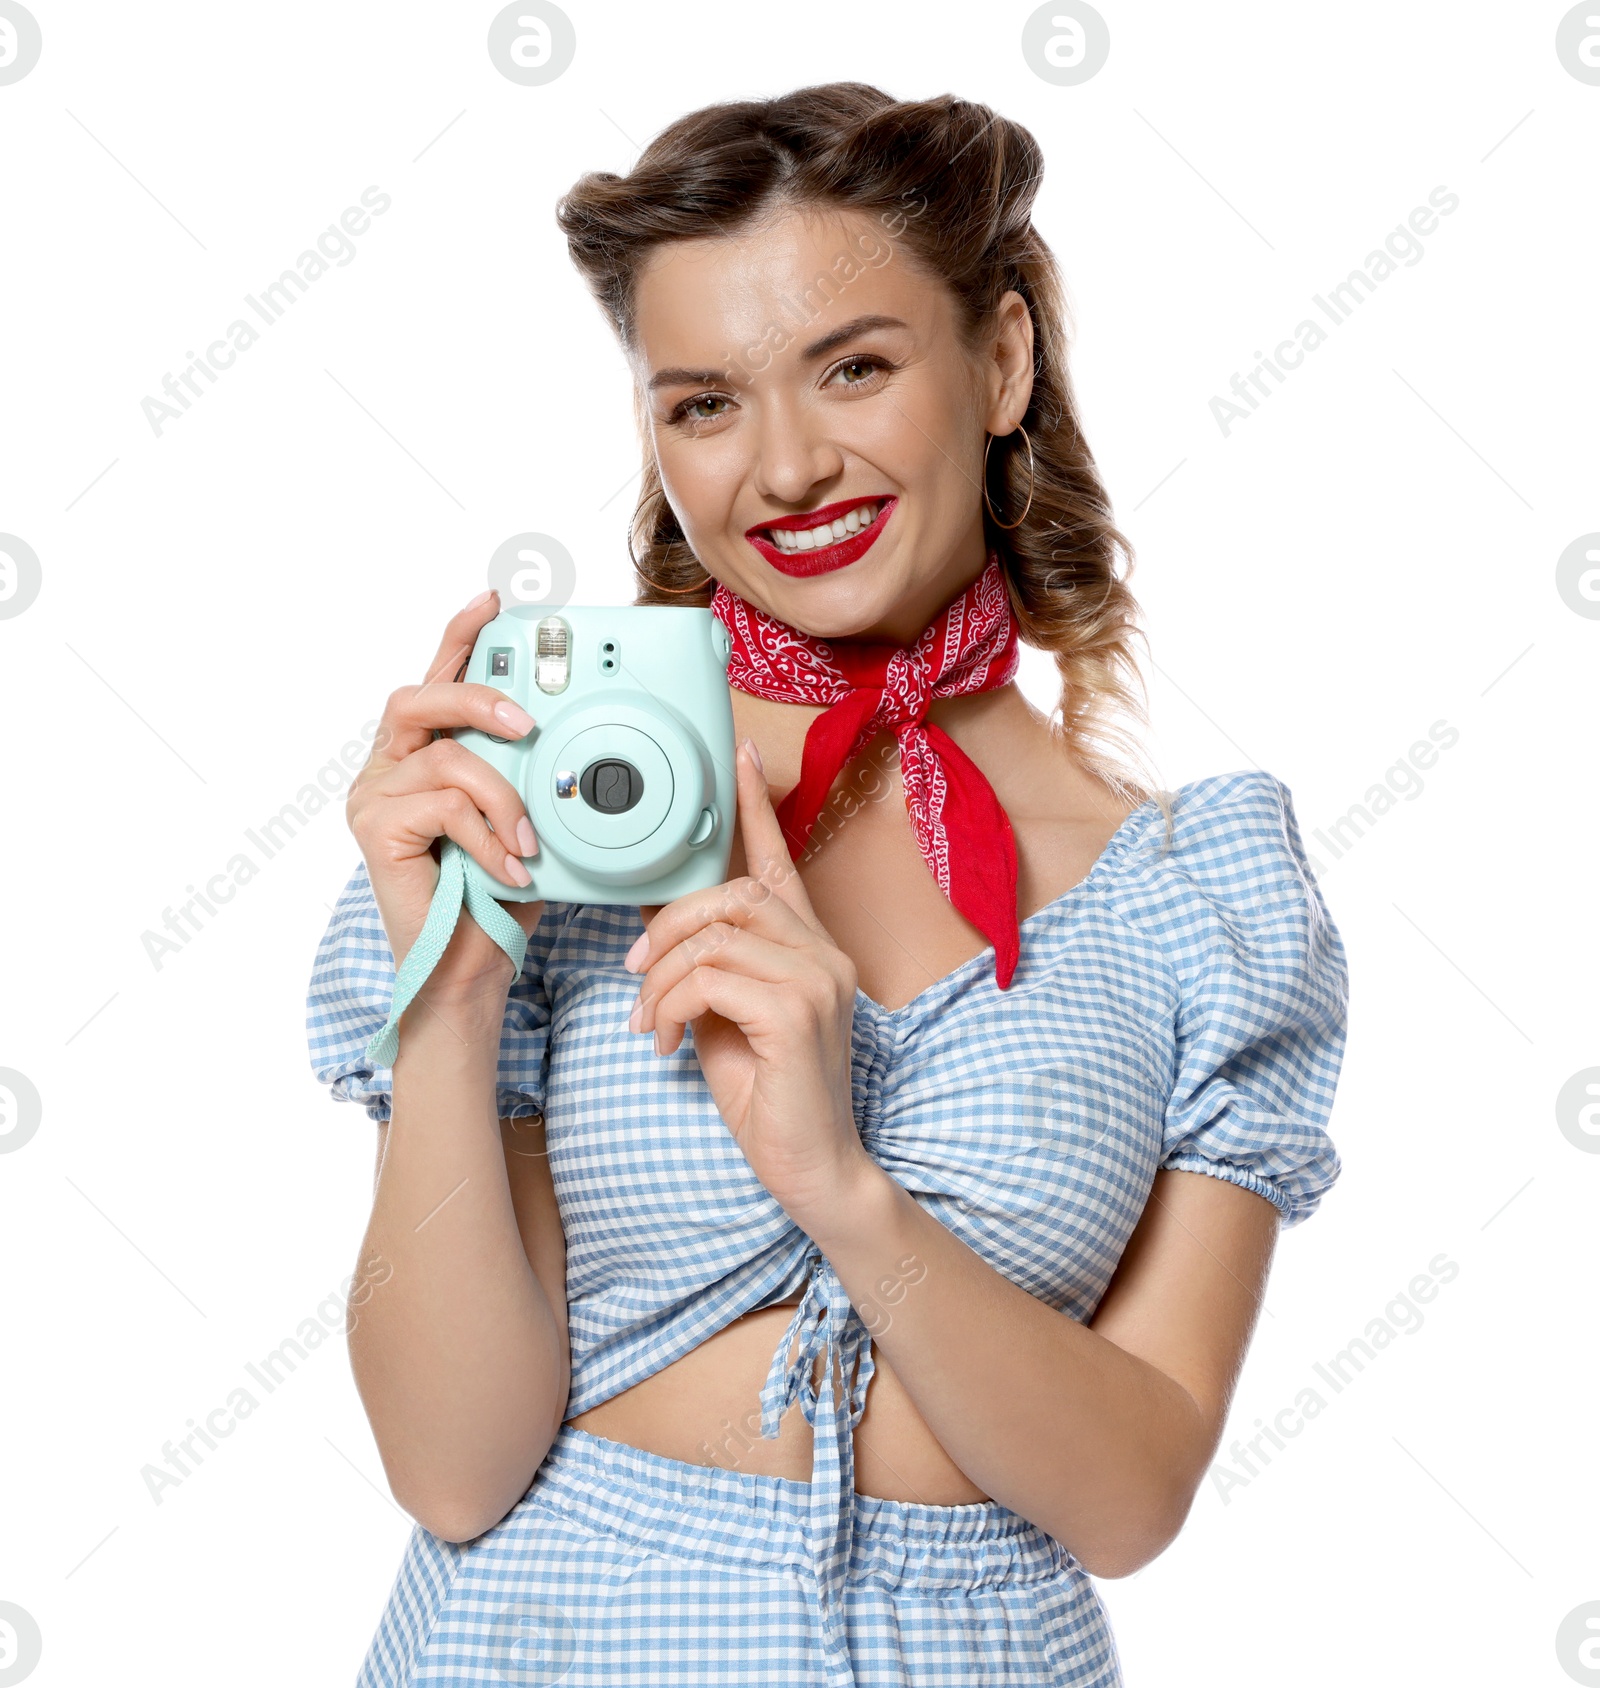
(551, 645)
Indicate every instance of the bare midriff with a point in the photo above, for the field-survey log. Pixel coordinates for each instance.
(705, 1408)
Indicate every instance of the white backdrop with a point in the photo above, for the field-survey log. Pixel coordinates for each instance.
(1370, 554)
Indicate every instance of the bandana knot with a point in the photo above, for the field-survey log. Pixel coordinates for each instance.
(873, 686)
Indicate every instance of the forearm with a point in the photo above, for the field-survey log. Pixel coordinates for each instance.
(1095, 1446)
(461, 1363)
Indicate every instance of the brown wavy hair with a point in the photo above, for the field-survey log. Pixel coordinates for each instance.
(954, 184)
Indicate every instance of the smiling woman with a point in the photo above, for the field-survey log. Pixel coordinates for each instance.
(845, 1330)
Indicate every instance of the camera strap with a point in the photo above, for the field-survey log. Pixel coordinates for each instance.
(455, 889)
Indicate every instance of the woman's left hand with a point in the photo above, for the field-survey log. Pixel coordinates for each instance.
(772, 1001)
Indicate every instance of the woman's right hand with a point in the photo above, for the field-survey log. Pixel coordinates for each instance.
(415, 788)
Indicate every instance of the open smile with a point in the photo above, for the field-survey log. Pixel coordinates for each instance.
(822, 540)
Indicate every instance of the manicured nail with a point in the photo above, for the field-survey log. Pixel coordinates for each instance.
(517, 873)
(513, 716)
(482, 598)
(755, 755)
(634, 959)
(659, 1049)
(635, 1015)
(525, 838)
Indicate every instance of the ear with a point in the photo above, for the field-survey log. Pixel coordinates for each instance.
(1008, 378)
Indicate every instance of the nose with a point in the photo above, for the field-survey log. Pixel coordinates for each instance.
(794, 454)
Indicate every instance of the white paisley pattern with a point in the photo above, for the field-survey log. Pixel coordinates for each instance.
(970, 646)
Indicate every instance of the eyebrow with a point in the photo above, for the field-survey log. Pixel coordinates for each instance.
(817, 349)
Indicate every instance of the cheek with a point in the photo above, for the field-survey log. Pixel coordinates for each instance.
(921, 437)
(700, 481)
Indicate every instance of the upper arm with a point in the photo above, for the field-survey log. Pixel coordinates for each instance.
(1187, 1292)
(533, 1197)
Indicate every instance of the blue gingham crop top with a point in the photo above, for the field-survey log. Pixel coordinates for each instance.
(1182, 1007)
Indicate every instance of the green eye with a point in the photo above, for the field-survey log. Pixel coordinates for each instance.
(873, 366)
(681, 411)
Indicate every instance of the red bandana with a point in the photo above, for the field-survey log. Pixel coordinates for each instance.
(970, 646)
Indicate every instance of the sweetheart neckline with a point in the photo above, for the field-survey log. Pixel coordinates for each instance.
(1114, 847)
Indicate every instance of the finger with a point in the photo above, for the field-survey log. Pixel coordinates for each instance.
(741, 902)
(766, 852)
(414, 714)
(460, 634)
(444, 763)
(717, 945)
(753, 1005)
(404, 827)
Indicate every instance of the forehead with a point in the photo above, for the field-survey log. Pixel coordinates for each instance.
(801, 271)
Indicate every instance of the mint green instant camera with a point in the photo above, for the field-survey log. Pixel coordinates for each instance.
(628, 772)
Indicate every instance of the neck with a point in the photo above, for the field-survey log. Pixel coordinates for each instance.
(992, 727)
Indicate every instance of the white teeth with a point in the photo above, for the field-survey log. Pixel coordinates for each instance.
(826, 533)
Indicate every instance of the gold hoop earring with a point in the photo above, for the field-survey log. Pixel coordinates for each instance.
(698, 586)
(1026, 507)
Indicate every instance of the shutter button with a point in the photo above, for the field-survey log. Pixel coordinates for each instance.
(704, 827)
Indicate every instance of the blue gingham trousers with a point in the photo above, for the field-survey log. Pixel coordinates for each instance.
(623, 1567)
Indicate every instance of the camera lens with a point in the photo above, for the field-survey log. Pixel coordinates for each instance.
(611, 785)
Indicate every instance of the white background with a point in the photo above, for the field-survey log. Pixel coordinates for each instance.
(225, 605)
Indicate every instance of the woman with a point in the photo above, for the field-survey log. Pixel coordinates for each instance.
(618, 1367)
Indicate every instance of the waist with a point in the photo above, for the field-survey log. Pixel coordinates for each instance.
(674, 1508)
(704, 1409)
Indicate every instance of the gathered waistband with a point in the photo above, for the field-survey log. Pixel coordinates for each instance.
(755, 1522)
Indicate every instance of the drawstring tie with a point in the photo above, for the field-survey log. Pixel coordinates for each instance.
(827, 1326)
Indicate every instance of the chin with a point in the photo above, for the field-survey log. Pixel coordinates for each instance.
(828, 606)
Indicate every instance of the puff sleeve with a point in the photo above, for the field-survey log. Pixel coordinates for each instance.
(352, 984)
(1263, 1006)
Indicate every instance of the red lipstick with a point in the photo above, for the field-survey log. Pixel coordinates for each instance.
(828, 557)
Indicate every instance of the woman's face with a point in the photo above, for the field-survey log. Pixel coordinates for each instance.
(805, 368)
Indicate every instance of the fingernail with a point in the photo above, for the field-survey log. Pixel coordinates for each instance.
(513, 716)
(658, 1040)
(517, 873)
(530, 844)
(755, 755)
(634, 1016)
(482, 598)
(635, 956)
